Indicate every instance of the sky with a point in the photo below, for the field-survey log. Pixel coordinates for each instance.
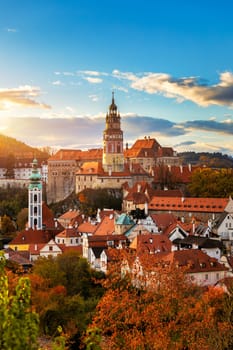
(169, 64)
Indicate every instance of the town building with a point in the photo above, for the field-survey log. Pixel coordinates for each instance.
(22, 171)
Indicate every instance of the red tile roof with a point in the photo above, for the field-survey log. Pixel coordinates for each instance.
(152, 243)
(79, 155)
(181, 173)
(31, 236)
(163, 220)
(106, 226)
(207, 205)
(194, 259)
(69, 232)
(69, 215)
(87, 227)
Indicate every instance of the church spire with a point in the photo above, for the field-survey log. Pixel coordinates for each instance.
(113, 106)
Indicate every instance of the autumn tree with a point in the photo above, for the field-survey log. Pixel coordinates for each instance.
(18, 322)
(22, 218)
(65, 292)
(164, 311)
(8, 227)
(93, 199)
(215, 183)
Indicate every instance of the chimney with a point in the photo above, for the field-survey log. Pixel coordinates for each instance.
(146, 208)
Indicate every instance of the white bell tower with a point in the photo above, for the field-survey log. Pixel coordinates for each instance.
(35, 199)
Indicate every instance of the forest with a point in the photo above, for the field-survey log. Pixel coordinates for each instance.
(63, 300)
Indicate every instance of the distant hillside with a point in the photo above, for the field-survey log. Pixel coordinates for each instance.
(9, 145)
(213, 160)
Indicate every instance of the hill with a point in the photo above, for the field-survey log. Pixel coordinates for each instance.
(9, 145)
(212, 160)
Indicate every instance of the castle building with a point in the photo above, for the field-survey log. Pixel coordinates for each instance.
(35, 199)
(110, 167)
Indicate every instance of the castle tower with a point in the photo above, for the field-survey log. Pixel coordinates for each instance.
(113, 155)
(35, 199)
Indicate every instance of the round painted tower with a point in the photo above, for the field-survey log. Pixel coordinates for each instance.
(35, 198)
(113, 153)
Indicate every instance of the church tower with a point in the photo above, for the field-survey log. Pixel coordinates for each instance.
(35, 199)
(113, 154)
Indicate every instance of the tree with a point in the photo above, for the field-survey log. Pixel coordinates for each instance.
(7, 226)
(165, 311)
(215, 183)
(93, 199)
(18, 322)
(65, 292)
(22, 218)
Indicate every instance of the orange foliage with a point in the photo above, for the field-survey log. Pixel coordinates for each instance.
(167, 313)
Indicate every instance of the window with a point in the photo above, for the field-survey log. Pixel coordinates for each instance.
(206, 277)
(50, 248)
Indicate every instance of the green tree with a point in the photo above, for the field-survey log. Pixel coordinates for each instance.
(18, 322)
(7, 226)
(215, 183)
(22, 218)
(65, 292)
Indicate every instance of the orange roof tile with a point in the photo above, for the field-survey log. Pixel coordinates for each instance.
(72, 154)
(87, 227)
(68, 232)
(163, 220)
(194, 259)
(181, 173)
(31, 236)
(152, 243)
(69, 215)
(106, 227)
(212, 205)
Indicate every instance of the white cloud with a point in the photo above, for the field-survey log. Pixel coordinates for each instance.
(90, 72)
(124, 75)
(23, 96)
(57, 82)
(93, 80)
(121, 88)
(94, 98)
(191, 88)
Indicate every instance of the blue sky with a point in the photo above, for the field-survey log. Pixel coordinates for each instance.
(170, 64)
